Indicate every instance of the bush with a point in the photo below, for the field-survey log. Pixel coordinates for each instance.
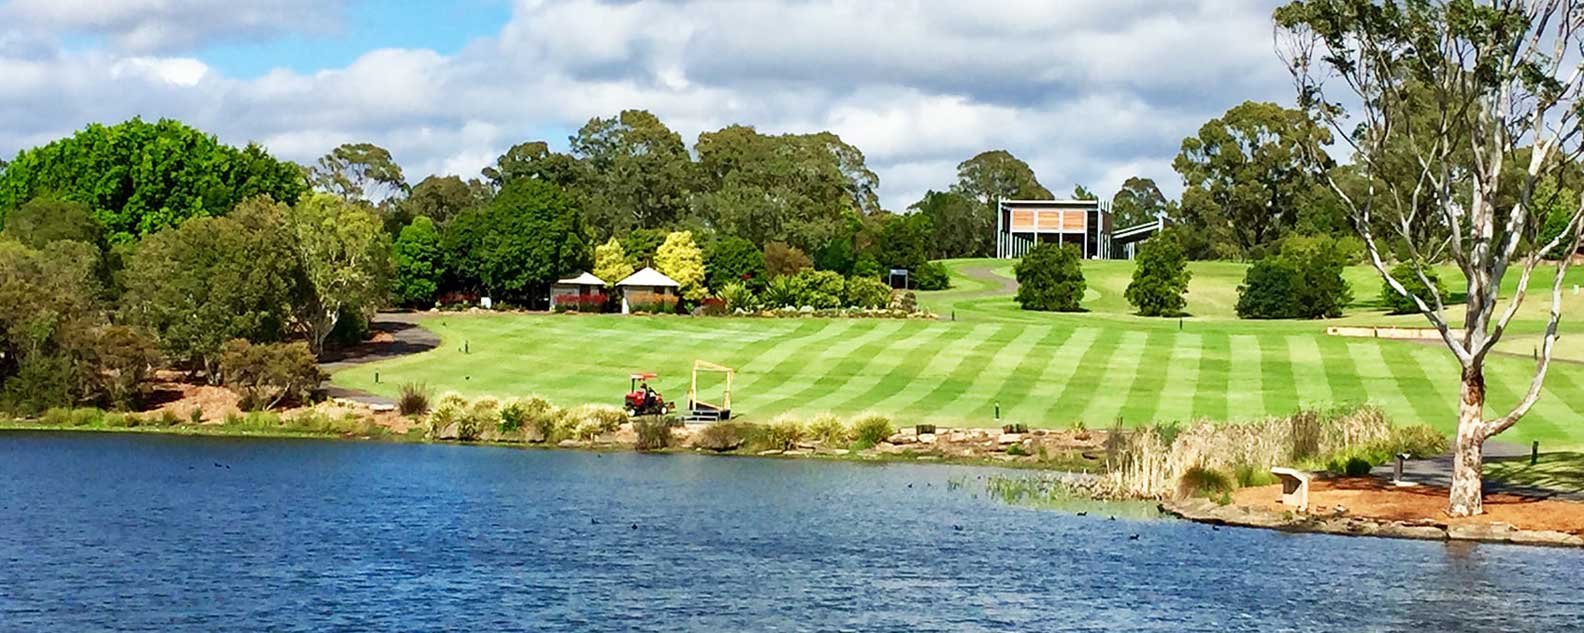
(932, 276)
(733, 260)
(513, 417)
(1050, 278)
(1351, 465)
(782, 260)
(590, 421)
(1203, 482)
(721, 436)
(1418, 441)
(1269, 290)
(450, 411)
(738, 297)
(905, 301)
(866, 292)
(1160, 278)
(483, 414)
(267, 375)
(413, 399)
(1404, 273)
(40, 382)
(1016, 450)
(820, 289)
(654, 432)
(871, 429)
(829, 431)
(1248, 476)
(784, 433)
(1303, 281)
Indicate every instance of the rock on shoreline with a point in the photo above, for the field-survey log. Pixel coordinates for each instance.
(1207, 511)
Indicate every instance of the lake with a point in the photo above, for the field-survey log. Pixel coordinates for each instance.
(148, 533)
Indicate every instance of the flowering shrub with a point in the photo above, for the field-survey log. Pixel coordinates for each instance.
(579, 302)
(651, 302)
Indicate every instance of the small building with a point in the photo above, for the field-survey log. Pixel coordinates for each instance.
(648, 291)
(584, 292)
(1085, 224)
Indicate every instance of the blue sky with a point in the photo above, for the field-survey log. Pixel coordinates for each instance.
(1088, 92)
(441, 26)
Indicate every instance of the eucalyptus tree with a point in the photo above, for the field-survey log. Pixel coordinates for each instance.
(1500, 115)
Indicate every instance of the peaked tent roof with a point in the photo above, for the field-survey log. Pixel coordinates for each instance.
(585, 279)
(648, 277)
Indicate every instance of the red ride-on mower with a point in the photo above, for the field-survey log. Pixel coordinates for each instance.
(643, 400)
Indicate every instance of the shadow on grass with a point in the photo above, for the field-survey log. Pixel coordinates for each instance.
(1563, 472)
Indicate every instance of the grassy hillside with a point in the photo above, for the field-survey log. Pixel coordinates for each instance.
(1044, 369)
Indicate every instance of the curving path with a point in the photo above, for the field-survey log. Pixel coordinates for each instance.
(408, 337)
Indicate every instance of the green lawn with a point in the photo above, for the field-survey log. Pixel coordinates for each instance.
(1043, 369)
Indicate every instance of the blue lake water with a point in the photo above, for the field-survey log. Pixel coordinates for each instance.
(147, 533)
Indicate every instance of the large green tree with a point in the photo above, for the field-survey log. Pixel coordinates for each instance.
(1160, 278)
(49, 322)
(441, 198)
(44, 220)
(733, 259)
(638, 172)
(989, 177)
(359, 172)
(958, 223)
(420, 263)
(513, 249)
(792, 188)
(1138, 201)
(1245, 172)
(534, 160)
(141, 177)
(346, 261)
(211, 280)
(1499, 76)
(1050, 278)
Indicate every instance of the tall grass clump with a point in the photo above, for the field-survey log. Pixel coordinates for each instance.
(828, 430)
(870, 430)
(721, 436)
(413, 399)
(654, 432)
(1198, 481)
(1418, 441)
(784, 433)
(447, 416)
(589, 421)
(480, 418)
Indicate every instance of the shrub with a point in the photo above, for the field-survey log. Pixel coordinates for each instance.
(932, 276)
(738, 297)
(1160, 279)
(871, 429)
(196, 415)
(540, 418)
(782, 260)
(40, 382)
(1248, 476)
(1350, 465)
(828, 430)
(733, 260)
(1404, 274)
(866, 292)
(56, 416)
(1050, 278)
(781, 292)
(820, 289)
(1203, 482)
(590, 421)
(268, 374)
(721, 436)
(1016, 450)
(449, 412)
(513, 417)
(413, 399)
(1418, 441)
(905, 301)
(654, 432)
(784, 433)
(1269, 290)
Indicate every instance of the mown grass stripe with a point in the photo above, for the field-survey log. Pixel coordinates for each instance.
(978, 398)
(1025, 379)
(1276, 376)
(1115, 379)
(970, 364)
(1245, 397)
(1308, 370)
(882, 363)
(1379, 385)
(1149, 377)
(940, 365)
(1340, 372)
(1046, 387)
(903, 371)
(1407, 384)
(782, 360)
(844, 362)
(1210, 393)
(1175, 397)
(1079, 386)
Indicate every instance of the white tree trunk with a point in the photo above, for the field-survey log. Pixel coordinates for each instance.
(1468, 453)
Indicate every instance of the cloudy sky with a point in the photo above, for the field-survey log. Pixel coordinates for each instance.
(1087, 91)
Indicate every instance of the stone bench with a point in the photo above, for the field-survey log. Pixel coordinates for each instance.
(1295, 487)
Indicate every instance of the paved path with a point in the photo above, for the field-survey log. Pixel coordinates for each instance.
(1437, 471)
(410, 338)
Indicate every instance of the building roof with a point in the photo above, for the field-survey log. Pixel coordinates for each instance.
(648, 277)
(585, 279)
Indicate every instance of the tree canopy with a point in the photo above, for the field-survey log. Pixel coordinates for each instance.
(513, 249)
(140, 177)
(1138, 201)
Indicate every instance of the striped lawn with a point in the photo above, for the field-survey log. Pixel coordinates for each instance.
(1051, 373)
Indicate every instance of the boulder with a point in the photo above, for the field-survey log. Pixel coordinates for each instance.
(926, 438)
(569, 444)
(902, 438)
(1009, 438)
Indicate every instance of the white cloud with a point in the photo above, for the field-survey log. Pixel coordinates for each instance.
(1086, 92)
(145, 26)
